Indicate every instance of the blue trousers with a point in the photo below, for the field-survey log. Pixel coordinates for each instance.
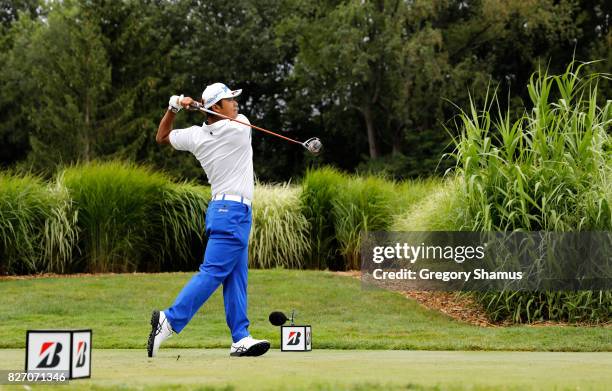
(228, 224)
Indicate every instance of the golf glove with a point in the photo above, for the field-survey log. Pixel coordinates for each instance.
(175, 103)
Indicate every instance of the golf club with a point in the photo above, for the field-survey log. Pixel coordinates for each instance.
(313, 145)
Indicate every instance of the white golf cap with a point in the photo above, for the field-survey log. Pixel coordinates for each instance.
(217, 91)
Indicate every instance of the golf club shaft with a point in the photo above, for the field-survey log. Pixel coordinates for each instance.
(247, 124)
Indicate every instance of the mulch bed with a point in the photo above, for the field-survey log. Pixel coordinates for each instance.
(465, 309)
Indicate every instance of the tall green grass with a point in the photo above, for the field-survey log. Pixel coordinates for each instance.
(526, 307)
(434, 206)
(548, 170)
(37, 231)
(412, 191)
(181, 223)
(280, 233)
(319, 188)
(339, 207)
(131, 218)
(360, 205)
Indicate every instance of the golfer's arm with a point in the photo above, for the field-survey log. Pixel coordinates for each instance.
(165, 127)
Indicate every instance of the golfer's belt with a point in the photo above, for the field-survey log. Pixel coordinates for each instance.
(231, 197)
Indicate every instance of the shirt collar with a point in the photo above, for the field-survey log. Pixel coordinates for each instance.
(217, 125)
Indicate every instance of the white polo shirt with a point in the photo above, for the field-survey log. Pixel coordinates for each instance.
(225, 153)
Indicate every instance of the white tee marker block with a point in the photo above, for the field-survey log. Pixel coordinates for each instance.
(65, 351)
(296, 338)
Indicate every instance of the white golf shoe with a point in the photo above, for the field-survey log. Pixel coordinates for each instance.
(160, 331)
(248, 346)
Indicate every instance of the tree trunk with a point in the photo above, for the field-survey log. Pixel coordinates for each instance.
(397, 150)
(86, 131)
(397, 141)
(367, 115)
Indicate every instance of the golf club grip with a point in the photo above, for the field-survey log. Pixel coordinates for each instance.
(245, 123)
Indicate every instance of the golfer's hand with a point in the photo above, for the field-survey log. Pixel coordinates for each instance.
(174, 104)
(186, 102)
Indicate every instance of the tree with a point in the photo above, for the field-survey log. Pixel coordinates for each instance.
(10, 10)
(15, 24)
(343, 57)
(69, 66)
(373, 78)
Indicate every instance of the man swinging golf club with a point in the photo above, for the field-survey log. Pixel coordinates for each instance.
(223, 148)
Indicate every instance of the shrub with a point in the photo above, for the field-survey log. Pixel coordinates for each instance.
(410, 192)
(279, 236)
(181, 222)
(521, 307)
(115, 204)
(548, 170)
(319, 188)
(339, 207)
(36, 226)
(436, 207)
(361, 204)
(131, 218)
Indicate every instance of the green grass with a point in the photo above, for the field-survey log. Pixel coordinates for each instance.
(115, 203)
(360, 204)
(342, 314)
(279, 236)
(548, 170)
(37, 232)
(437, 210)
(319, 188)
(327, 370)
(408, 193)
(133, 218)
(340, 206)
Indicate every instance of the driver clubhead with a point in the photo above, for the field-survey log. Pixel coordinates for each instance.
(313, 145)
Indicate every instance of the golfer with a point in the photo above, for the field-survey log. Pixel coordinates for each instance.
(223, 148)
